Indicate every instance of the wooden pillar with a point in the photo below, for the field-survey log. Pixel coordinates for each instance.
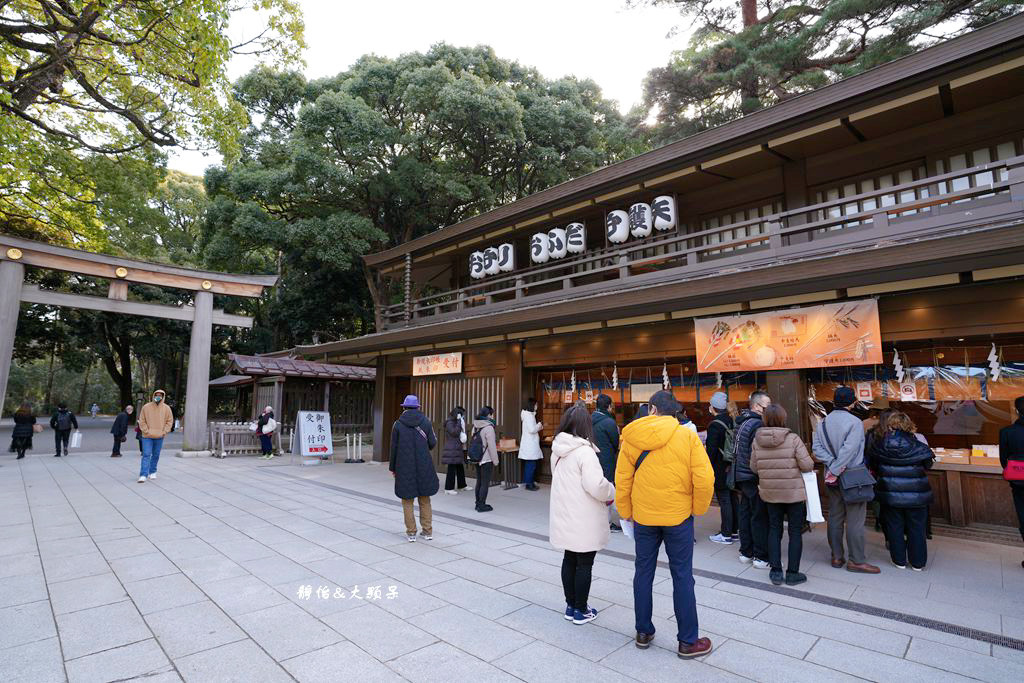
(786, 387)
(794, 178)
(12, 275)
(512, 401)
(327, 396)
(378, 409)
(197, 388)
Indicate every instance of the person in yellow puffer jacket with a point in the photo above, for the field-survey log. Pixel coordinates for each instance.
(661, 494)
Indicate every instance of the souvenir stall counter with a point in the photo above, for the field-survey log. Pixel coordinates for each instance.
(958, 397)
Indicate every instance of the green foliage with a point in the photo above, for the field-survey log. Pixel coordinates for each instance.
(750, 54)
(90, 91)
(382, 153)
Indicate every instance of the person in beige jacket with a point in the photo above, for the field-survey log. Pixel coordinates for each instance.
(155, 421)
(484, 425)
(779, 458)
(578, 520)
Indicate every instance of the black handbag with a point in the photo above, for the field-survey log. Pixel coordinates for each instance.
(856, 485)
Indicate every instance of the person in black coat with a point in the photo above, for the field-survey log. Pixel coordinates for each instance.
(21, 438)
(120, 430)
(453, 453)
(61, 423)
(751, 511)
(412, 439)
(900, 463)
(728, 504)
(606, 438)
(1011, 447)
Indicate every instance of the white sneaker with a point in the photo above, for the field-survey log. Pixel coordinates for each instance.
(153, 476)
(719, 538)
(917, 569)
(451, 493)
(411, 537)
(761, 564)
(426, 536)
(898, 566)
(745, 560)
(142, 480)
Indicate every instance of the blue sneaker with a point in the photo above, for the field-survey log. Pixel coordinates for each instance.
(580, 618)
(569, 612)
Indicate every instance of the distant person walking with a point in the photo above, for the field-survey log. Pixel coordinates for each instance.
(155, 421)
(120, 430)
(529, 444)
(664, 478)
(453, 453)
(839, 444)
(753, 515)
(1011, 457)
(901, 463)
(24, 428)
(720, 445)
(779, 459)
(484, 430)
(606, 437)
(412, 439)
(265, 426)
(94, 410)
(578, 520)
(62, 422)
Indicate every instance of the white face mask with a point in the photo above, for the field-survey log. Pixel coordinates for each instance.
(157, 398)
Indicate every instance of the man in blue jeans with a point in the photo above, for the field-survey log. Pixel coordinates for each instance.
(155, 421)
(662, 479)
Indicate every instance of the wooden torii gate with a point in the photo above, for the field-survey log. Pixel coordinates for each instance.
(16, 253)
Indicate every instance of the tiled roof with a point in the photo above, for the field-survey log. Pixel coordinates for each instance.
(294, 367)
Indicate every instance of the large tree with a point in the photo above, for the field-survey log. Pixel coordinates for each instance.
(117, 81)
(747, 54)
(384, 152)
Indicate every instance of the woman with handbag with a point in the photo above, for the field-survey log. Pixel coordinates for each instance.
(24, 427)
(578, 519)
(120, 430)
(265, 427)
(901, 463)
(839, 444)
(1011, 457)
(453, 454)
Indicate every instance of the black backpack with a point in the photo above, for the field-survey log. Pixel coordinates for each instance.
(64, 421)
(476, 448)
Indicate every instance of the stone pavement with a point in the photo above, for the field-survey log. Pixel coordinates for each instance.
(217, 571)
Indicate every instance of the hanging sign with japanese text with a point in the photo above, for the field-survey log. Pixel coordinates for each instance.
(846, 333)
(314, 429)
(437, 364)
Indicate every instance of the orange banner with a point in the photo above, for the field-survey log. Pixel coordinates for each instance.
(812, 337)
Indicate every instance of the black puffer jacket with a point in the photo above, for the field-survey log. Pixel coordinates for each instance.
(412, 439)
(747, 424)
(453, 452)
(606, 437)
(900, 463)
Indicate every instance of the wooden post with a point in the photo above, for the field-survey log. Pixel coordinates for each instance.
(327, 396)
(197, 388)
(12, 275)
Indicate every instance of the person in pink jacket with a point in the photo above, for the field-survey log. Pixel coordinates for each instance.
(579, 516)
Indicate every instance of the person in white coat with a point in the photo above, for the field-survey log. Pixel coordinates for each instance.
(578, 516)
(529, 444)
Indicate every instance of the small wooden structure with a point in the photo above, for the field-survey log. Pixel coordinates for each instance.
(291, 385)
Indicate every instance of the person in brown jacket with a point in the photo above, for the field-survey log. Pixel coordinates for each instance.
(779, 458)
(155, 420)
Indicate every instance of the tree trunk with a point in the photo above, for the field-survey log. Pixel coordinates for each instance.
(49, 379)
(749, 93)
(85, 389)
(119, 369)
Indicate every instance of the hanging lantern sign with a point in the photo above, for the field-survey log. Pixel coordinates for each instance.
(640, 221)
(617, 226)
(664, 210)
(506, 258)
(540, 249)
(575, 238)
(491, 261)
(476, 265)
(556, 243)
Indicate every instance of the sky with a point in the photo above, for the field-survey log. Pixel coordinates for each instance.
(597, 39)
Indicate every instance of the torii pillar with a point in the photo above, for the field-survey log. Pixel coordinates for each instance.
(197, 389)
(12, 274)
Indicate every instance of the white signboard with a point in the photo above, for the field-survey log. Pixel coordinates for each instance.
(437, 364)
(641, 393)
(908, 391)
(864, 392)
(314, 429)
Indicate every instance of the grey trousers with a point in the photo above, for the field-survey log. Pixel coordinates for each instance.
(850, 515)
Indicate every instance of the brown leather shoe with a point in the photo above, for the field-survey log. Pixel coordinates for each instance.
(698, 649)
(838, 562)
(862, 568)
(643, 640)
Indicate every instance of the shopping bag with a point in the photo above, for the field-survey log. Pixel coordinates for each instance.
(627, 527)
(813, 500)
(76, 440)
